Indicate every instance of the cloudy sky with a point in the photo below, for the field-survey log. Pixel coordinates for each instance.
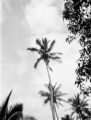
(22, 22)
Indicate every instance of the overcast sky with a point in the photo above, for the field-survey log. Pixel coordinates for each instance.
(22, 22)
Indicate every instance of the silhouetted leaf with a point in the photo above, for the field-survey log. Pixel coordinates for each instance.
(4, 108)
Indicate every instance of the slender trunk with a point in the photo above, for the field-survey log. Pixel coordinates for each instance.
(52, 104)
(56, 113)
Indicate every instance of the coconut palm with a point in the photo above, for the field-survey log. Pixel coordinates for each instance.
(12, 113)
(44, 51)
(79, 106)
(67, 117)
(57, 96)
(46, 55)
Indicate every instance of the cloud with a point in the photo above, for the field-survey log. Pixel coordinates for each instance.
(43, 18)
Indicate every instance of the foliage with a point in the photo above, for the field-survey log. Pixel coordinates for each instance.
(80, 107)
(57, 94)
(46, 55)
(29, 118)
(67, 117)
(12, 113)
(44, 51)
(78, 15)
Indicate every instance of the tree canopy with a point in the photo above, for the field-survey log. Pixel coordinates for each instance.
(78, 15)
(79, 106)
(45, 51)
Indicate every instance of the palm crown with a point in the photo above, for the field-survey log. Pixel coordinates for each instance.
(12, 113)
(79, 106)
(57, 94)
(44, 51)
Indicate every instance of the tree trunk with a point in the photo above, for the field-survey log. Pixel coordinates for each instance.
(56, 113)
(52, 104)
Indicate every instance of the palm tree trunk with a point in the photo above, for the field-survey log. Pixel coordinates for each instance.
(56, 113)
(52, 104)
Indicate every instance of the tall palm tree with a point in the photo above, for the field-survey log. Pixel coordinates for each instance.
(79, 106)
(12, 113)
(67, 117)
(46, 55)
(57, 96)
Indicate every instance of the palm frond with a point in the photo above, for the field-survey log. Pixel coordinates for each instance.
(36, 64)
(73, 113)
(59, 103)
(87, 111)
(46, 100)
(56, 58)
(16, 116)
(45, 43)
(51, 46)
(38, 42)
(44, 94)
(60, 94)
(50, 69)
(48, 87)
(27, 117)
(33, 49)
(55, 53)
(57, 88)
(61, 100)
(4, 107)
(18, 108)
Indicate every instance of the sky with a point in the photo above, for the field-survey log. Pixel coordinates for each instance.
(22, 21)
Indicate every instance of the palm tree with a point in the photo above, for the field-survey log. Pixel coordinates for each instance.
(79, 106)
(46, 55)
(12, 113)
(57, 96)
(67, 117)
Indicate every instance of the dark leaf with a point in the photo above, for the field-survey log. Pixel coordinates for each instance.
(36, 64)
(15, 110)
(4, 107)
(51, 46)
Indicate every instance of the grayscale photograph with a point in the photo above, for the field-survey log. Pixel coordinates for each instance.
(45, 60)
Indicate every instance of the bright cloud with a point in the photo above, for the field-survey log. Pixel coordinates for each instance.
(42, 17)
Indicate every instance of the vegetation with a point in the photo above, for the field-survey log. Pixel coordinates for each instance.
(44, 51)
(46, 55)
(57, 96)
(67, 117)
(12, 113)
(79, 107)
(28, 118)
(78, 15)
